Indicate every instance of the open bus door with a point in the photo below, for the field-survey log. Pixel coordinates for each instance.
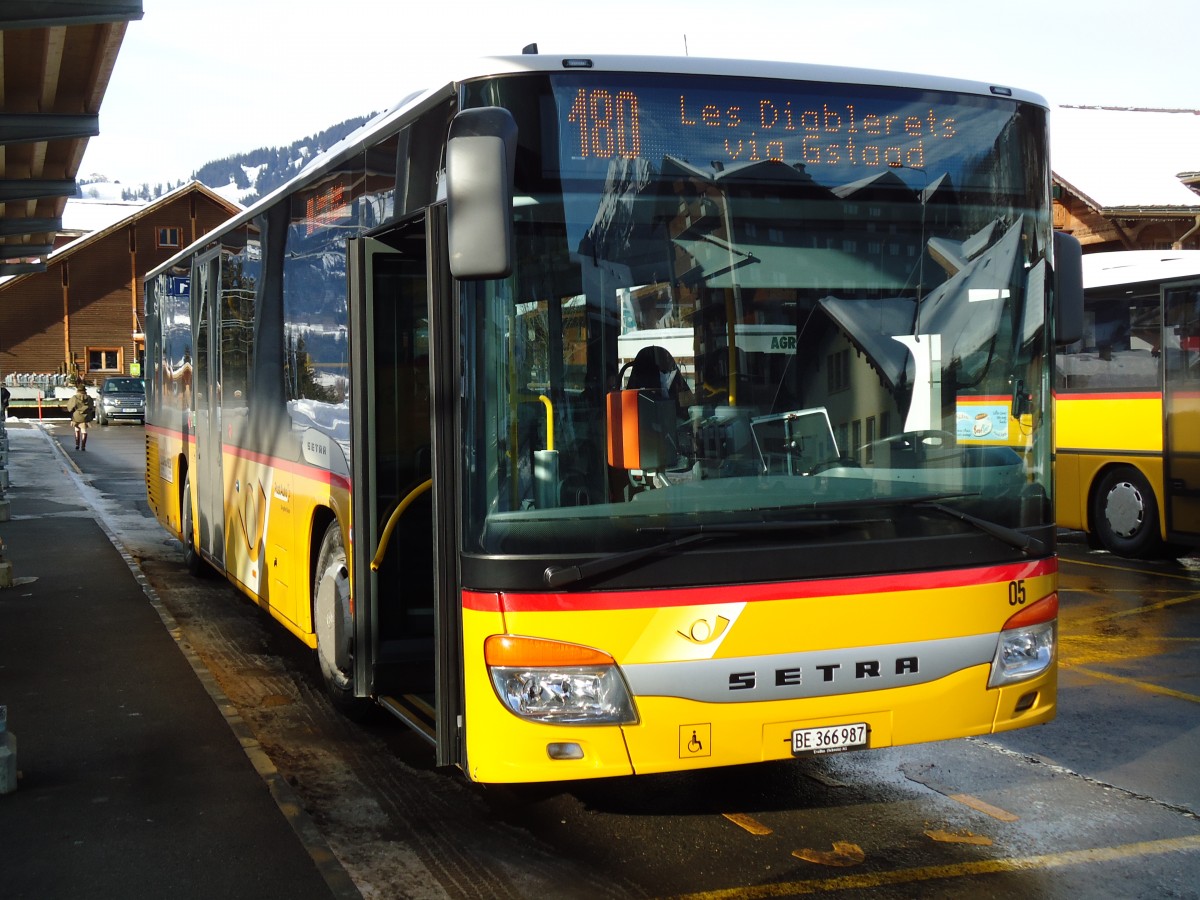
(206, 407)
(403, 558)
(1181, 410)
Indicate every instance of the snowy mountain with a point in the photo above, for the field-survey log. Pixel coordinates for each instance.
(242, 178)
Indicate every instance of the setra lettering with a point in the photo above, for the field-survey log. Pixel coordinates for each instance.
(861, 670)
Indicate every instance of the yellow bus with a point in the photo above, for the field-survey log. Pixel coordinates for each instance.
(395, 403)
(1127, 411)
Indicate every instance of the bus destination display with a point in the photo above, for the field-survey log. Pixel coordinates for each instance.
(603, 123)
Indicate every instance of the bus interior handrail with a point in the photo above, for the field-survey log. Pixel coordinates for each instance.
(404, 504)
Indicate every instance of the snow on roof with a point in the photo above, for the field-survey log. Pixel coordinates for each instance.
(92, 218)
(88, 215)
(1130, 158)
(1117, 267)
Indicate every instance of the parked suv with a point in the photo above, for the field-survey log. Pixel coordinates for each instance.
(121, 398)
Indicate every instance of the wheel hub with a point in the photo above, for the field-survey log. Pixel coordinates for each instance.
(333, 623)
(1125, 510)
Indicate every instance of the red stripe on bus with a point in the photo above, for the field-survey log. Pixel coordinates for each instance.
(755, 593)
(1112, 395)
(316, 473)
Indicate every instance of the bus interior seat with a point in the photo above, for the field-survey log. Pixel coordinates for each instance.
(642, 418)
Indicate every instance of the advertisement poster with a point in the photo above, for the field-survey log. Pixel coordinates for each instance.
(982, 423)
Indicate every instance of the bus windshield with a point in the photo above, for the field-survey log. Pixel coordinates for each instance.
(742, 301)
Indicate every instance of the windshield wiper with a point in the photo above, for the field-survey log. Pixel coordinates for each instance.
(1010, 536)
(875, 501)
(561, 576)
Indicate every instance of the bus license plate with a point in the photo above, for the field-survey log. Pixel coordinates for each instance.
(829, 739)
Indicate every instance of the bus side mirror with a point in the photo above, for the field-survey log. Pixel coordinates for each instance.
(480, 163)
(1068, 289)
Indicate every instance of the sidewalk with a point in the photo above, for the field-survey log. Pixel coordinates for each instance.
(134, 781)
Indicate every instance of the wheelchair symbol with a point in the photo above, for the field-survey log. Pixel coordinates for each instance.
(695, 740)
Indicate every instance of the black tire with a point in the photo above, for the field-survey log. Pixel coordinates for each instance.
(333, 624)
(1125, 514)
(191, 556)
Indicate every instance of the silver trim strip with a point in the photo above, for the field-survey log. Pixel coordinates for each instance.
(814, 673)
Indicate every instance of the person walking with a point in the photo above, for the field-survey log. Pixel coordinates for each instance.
(82, 409)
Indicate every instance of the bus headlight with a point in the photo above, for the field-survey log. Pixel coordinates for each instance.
(554, 682)
(1026, 647)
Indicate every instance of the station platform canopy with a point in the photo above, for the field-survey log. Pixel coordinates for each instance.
(58, 57)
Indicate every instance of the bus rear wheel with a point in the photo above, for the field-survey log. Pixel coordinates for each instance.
(333, 623)
(1125, 514)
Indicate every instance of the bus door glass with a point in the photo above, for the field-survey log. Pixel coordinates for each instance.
(1181, 409)
(392, 452)
(206, 396)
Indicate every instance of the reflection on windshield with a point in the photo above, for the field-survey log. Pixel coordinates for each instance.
(720, 338)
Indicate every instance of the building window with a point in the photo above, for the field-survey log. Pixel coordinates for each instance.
(167, 237)
(837, 366)
(104, 360)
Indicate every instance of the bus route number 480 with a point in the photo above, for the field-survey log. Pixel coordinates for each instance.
(829, 739)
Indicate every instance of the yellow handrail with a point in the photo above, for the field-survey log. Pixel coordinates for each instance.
(394, 517)
(549, 420)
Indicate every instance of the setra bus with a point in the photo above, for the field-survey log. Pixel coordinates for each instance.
(421, 405)
(1127, 410)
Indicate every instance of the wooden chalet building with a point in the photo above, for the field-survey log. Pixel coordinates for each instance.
(1127, 179)
(83, 314)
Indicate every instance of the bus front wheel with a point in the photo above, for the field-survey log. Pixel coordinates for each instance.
(1125, 514)
(333, 623)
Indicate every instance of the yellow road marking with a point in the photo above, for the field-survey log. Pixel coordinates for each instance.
(966, 799)
(957, 837)
(747, 823)
(1133, 682)
(1157, 574)
(932, 873)
(982, 806)
(1152, 607)
(844, 854)
(1093, 650)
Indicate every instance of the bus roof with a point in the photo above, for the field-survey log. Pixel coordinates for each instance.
(1119, 267)
(729, 68)
(389, 121)
(692, 65)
